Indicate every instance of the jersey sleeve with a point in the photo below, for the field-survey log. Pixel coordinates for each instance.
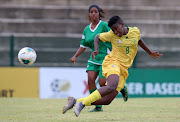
(83, 42)
(106, 36)
(138, 33)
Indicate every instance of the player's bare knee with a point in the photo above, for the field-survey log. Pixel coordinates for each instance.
(102, 83)
(110, 89)
(113, 88)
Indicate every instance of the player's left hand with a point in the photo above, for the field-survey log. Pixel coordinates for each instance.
(155, 55)
(94, 54)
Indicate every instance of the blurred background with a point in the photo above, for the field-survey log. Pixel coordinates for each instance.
(53, 28)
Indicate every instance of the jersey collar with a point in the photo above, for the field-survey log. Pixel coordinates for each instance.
(95, 27)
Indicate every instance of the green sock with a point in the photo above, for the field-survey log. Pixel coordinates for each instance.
(121, 89)
(91, 91)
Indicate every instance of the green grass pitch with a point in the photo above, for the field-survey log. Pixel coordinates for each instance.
(135, 109)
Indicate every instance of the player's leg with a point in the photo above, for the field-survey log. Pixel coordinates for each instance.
(123, 76)
(106, 100)
(92, 71)
(124, 92)
(98, 107)
(92, 75)
(112, 84)
(102, 82)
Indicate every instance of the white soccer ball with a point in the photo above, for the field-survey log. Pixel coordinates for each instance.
(27, 56)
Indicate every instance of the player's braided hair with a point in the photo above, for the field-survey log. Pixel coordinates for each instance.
(101, 11)
(113, 20)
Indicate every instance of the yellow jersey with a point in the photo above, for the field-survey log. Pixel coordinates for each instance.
(124, 48)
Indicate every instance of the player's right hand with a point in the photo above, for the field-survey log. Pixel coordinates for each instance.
(73, 60)
(94, 54)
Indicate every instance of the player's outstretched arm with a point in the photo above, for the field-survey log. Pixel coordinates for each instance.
(96, 46)
(79, 52)
(155, 54)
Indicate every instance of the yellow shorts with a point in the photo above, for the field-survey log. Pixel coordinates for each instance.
(112, 66)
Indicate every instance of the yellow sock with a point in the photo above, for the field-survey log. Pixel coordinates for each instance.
(92, 98)
(80, 99)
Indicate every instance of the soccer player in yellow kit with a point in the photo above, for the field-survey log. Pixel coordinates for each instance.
(115, 66)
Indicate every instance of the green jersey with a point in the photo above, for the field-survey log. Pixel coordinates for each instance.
(87, 41)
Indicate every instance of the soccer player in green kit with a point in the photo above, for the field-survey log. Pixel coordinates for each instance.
(94, 67)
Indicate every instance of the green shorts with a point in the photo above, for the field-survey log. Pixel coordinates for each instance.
(96, 68)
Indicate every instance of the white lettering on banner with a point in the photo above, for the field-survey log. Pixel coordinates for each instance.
(149, 88)
(135, 88)
(170, 88)
(139, 88)
(131, 88)
(177, 89)
(157, 88)
(163, 89)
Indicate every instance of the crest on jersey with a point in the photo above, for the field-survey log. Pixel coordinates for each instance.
(135, 40)
(119, 41)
